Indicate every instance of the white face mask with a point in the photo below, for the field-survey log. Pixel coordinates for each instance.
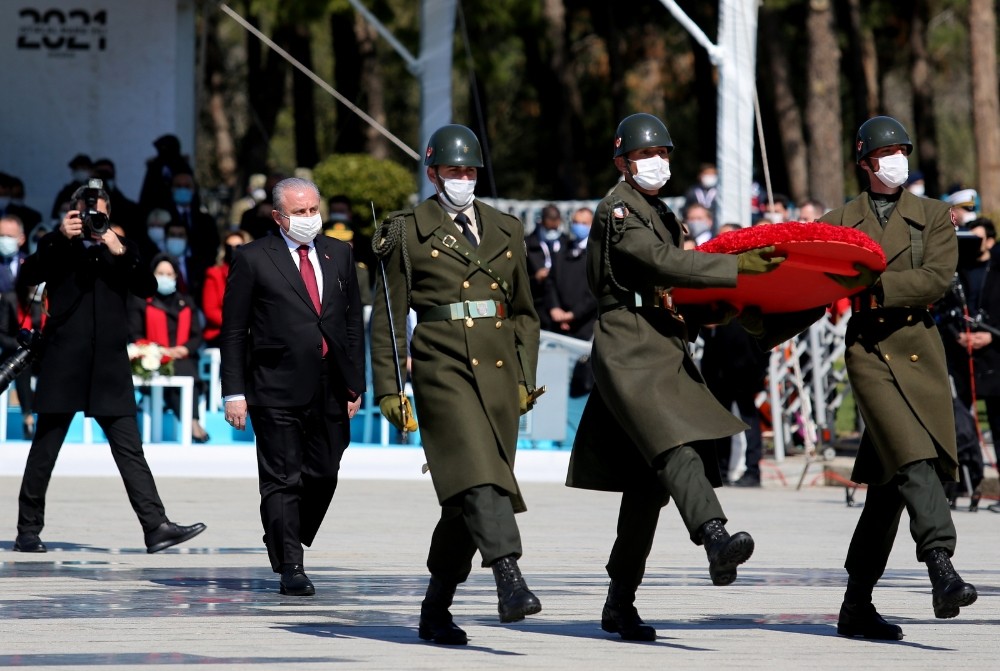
(709, 181)
(917, 189)
(459, 192)
(304, 230)
(964, 218)
(651, 173)
(893, 170)
(8, 246)
(166, 285)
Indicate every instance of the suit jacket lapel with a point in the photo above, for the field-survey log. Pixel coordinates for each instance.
(328, 266)
(282, 259)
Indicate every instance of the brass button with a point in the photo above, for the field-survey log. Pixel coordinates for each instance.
(914, 357)
(881, 320)
(434, 253)
(887, 357)
(909, 318)
(469, 322)
(499, 364)
(465, 284)
(494, 286)
(475, 362)
(499, 324)
(510, 254)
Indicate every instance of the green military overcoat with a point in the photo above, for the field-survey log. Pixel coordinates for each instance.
(649, 396)
(897, 367)
(465, 373)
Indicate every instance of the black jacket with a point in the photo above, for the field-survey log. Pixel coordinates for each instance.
(270, 339)
(83, 359)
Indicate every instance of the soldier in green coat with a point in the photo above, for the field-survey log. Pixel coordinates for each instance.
(896, 367)
(650, 403)
(460, 265)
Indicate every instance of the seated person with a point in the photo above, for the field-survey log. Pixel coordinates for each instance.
(215, 286)
(171, 320)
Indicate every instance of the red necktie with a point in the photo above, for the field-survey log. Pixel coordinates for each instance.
(309, 278)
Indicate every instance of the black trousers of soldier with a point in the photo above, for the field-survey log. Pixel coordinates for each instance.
(916, 487)
(480, 518)
(681, 476)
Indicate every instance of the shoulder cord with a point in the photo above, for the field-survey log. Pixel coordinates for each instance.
(388, 236)
(619, 228)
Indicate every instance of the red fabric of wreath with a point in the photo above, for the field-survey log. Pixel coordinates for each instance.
(811, 251)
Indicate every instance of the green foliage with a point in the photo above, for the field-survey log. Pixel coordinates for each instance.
(365, 180)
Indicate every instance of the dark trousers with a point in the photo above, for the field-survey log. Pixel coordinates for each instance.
(916, 487)
(298, 458)
(755, 444)
(126, 448)
(681, 476)
(480, 518)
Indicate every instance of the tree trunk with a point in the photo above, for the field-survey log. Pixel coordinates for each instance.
(826, 176)
(266, 93)
(924, 124)
(862, 64)
(348, 61)
(566, 96)
(304, 100)
(373, 90)
(788, 114)
(222, 131)
(985, 101)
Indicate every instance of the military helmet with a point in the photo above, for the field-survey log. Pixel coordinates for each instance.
(639, 131)
(454, 145)
(878, 132)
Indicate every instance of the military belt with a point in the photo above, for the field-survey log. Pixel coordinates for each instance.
(658, 299)
(463, 310)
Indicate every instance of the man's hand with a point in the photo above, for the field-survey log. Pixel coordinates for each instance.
(71, 225)
(399, 414)
(865, 277)
(236, 414)
(752, 320)
(758, 261)
(524, 400)
(720, 314)
(353, 407)
(114, 244)
(541, 274)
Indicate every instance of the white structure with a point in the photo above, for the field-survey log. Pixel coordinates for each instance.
(100, 77)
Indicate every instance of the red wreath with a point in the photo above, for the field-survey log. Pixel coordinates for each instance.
(810, 250)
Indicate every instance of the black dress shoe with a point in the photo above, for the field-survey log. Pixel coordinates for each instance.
(168, 534)
(747, 480)
(28, 541)
(295, 582)
(436, 623)
(861, 619)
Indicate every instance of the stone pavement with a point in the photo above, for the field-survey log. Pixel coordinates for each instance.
(96, 600)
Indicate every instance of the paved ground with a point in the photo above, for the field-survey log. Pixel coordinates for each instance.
(96, 600)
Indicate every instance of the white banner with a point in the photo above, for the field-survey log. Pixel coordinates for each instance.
(99, 77)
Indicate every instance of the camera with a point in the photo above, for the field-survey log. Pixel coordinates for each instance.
(94, 221)
(12, 366)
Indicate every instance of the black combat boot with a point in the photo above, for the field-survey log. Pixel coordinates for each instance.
(435, 619)
(725, 552)
(515, 599)
(950, 591)
(620, 616)
(858, 616)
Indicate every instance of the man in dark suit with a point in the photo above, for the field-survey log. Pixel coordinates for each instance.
(84, 366)
(543, 245)
(292, 346)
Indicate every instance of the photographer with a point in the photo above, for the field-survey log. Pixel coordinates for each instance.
(89, 272)
(970, 320)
